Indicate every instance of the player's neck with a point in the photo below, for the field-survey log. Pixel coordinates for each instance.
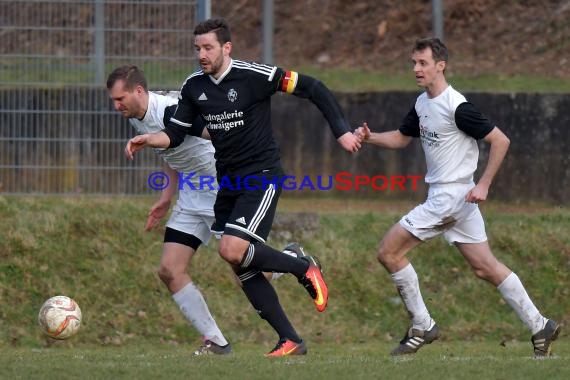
(143, 107)
(436, 88)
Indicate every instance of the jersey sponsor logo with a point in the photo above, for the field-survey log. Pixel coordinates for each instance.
(203, 97)
(225, 120)
(289, 82)
(429, 138)
(232, 95)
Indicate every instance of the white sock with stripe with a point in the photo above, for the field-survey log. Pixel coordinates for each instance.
(406, 280)
(516, 296)
(194, 308)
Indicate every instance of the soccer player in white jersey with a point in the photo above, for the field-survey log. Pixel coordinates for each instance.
(234, 99)
(448, 127)
(189, 224)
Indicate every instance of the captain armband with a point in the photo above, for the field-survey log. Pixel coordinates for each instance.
(289, 81)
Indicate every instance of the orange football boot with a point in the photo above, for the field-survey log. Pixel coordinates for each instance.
(286, 347)
(315, 284)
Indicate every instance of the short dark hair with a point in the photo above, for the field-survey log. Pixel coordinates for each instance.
(438, 49)
(132, 75)
(217, 25)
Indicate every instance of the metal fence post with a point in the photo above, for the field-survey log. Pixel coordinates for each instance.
(437, 18)
(203, 11)
(99, 42)
(268, 27)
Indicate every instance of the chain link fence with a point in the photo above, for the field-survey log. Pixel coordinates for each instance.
(58, 131)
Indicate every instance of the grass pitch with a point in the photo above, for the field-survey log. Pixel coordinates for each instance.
(441, 360)
(94, 250)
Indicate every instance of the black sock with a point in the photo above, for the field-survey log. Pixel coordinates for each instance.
(265, 301)
(267, 259)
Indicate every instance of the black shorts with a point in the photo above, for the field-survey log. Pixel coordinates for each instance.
(175, 236)
(248, 212)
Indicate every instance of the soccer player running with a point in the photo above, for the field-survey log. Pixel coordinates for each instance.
(189, 224)
(448, 127)
(234, 98)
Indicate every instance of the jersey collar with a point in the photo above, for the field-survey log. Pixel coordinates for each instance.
(217, 81)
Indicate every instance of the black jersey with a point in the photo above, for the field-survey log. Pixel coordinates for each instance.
(237, 111)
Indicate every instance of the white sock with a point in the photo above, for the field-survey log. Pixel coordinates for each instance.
(514, 293)
(406, 280)
(194, 308)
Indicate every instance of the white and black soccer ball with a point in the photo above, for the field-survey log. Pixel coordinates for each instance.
(294, 249)
(291, 249)
(60, 317)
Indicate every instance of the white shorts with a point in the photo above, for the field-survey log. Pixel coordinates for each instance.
(446, 212)
(194, 213)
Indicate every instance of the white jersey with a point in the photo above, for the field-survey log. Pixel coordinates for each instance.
(194, 155)
(448, 127)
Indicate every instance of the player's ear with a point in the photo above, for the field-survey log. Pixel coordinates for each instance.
(441, 65)
(227, 48)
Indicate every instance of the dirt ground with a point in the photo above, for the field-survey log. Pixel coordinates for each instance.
(484, 36)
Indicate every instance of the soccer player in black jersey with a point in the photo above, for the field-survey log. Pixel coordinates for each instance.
(234, 97)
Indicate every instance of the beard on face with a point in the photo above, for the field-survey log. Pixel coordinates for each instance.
(214, 66)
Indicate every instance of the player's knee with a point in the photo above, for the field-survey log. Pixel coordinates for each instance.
(229, 253)
(483, 272)
(490, 270)
(384, 255)
(165, 274)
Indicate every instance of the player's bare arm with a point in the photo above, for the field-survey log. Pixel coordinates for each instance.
(388, 140)
(499, 145)
(161, 207)
(154, 140)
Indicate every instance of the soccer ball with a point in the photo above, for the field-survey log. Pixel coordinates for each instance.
(60, 317)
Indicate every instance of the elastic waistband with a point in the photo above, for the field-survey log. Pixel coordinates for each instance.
(452, 186)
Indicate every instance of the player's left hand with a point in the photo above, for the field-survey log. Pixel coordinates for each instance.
(477, 194)
(349, 142)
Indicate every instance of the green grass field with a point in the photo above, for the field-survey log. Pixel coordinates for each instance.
(94, 250)
(358, 80)
(448, 360)
(338, 79)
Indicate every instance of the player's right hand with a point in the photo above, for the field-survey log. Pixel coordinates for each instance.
(156, 213)
(134, 145)
(349, 142)
(363, 132)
